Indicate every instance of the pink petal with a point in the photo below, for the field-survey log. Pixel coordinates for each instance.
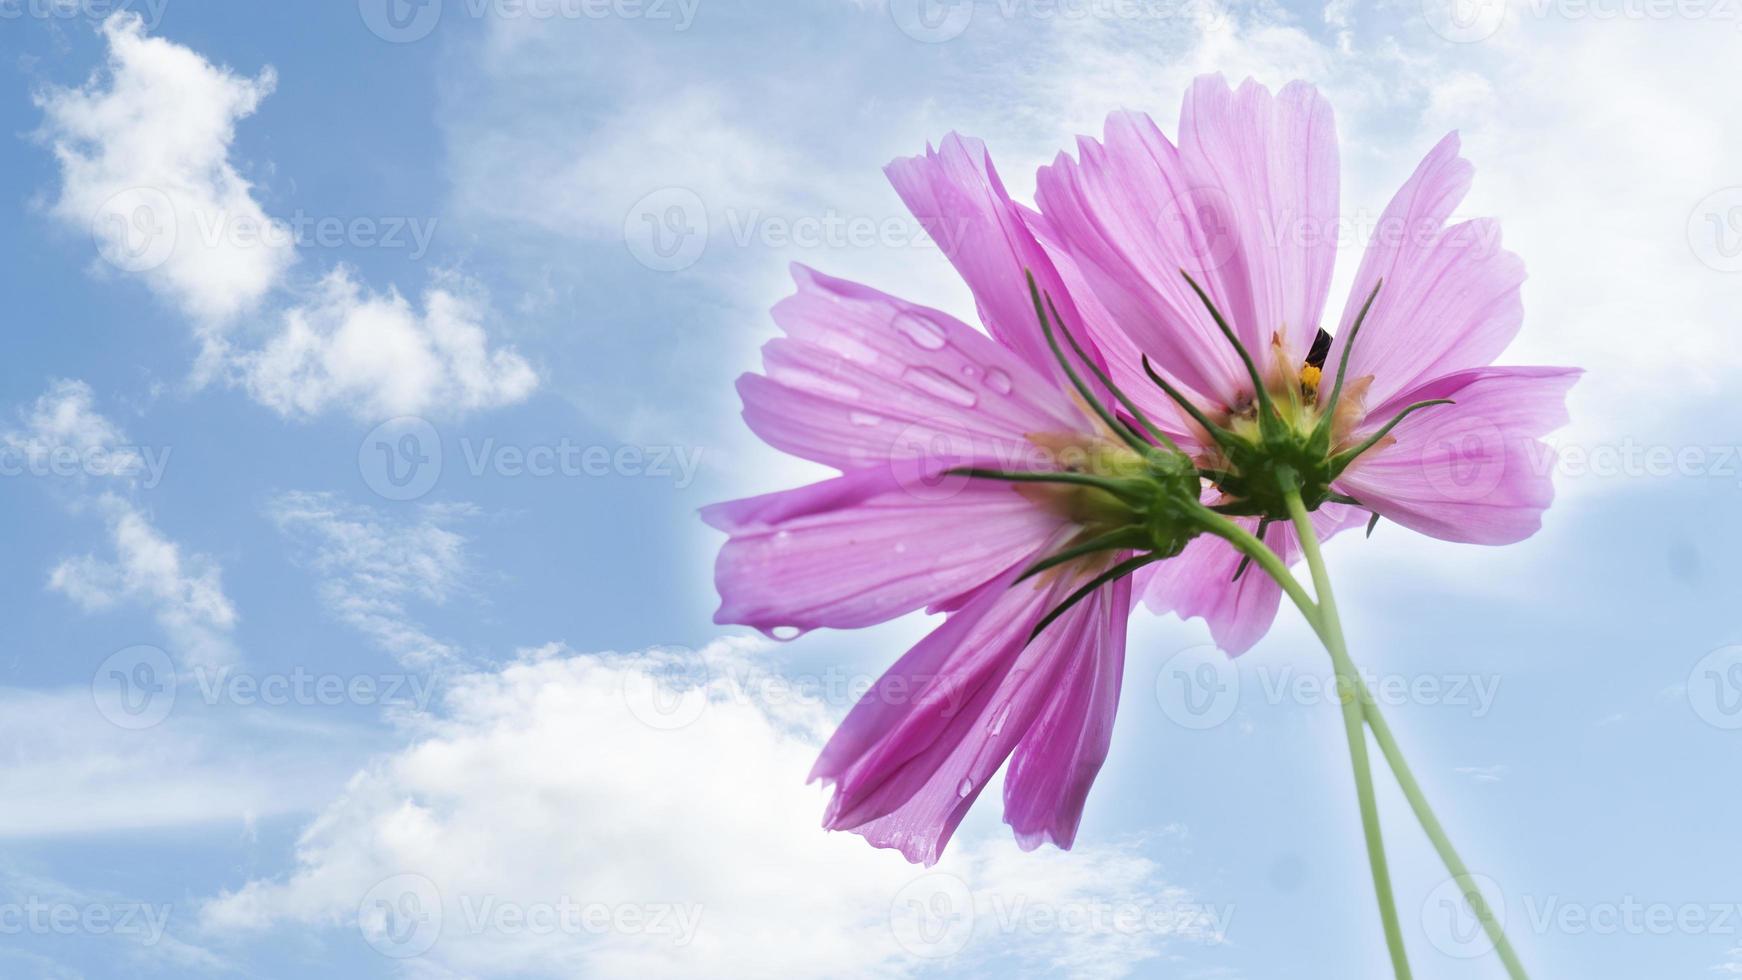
(1473, 471)
(862, 378)
(1450, 296)
(1057, 760)
(917, 750)
(1200, 581)
(955, 193)
(1271, 165)
(1131, 219)
(867, 547)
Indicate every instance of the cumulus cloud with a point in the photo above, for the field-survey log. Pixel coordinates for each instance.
(145, 155)
(144, 150)
(677, 813)
(372, 565)
(379, 357)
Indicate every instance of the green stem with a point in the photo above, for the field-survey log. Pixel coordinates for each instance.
(1437, 834)
(1250, 545)
(1349, 687)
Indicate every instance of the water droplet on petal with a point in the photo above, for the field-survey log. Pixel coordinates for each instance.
(848, 347)
(998, 718)
(935, 384)
(966, 788)
(925, 334)
(865, 419)
(901, 547)
(998, 381)
(786, 632)
(816, 385)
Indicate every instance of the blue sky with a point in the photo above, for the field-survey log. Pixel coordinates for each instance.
(359, 620)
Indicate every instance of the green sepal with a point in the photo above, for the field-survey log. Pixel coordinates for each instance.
(1341, 461)
(1118, 571)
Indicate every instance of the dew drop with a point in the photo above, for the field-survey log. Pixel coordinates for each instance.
(998, 381)
(966, 788)
(933, 383)
(848, 347)
(925, 334)
(865, 419)
(998, 718)
(785, 632)
(901, 547)
(817, 385)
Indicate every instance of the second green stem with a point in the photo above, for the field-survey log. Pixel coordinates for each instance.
(1349, 688)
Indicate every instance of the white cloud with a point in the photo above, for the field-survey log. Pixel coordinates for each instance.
(64, 417)
(583, 182)
(144, 149)
(372, 565)
(378, 357)
(546, 781)
(72, 771)
(185, 592)
(1483, 774)
(63, 434)
(144, 152)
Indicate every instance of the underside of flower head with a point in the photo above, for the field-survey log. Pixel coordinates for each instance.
(1143, 501)
(1284, 439)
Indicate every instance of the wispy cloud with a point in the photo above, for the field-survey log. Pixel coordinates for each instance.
(63, 436)
(373, 566)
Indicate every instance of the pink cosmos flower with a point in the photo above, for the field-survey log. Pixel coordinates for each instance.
(905, 401)
(1246, 203)
(897, 396)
